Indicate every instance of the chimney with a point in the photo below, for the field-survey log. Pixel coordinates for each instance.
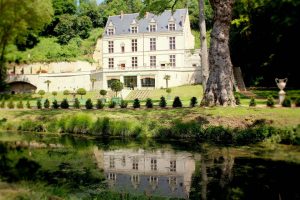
(146, 15)
(122, 15)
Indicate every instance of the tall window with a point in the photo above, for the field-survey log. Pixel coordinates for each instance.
(110, 31)
(173, 166)
(135, 163)
(152, 44)
(171, 27)
(110, 63)
(152, 61)
(110, 46)
(153, 164)
(172, 42)
(134, 29)
(134, 45)
(172, 60)
(152, 27)
(134, 62)
(111, 162)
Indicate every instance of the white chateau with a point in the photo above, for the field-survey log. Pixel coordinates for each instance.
(138, 52)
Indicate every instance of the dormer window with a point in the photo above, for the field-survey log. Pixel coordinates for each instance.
(171, 27)
(110, 29)
(134, 29)
(152, 25)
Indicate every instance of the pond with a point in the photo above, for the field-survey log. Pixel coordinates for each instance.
(40, 166)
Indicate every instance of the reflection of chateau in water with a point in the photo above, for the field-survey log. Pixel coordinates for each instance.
(161, 173)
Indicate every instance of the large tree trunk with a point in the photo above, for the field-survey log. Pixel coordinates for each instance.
(204, 53)
(220, 84)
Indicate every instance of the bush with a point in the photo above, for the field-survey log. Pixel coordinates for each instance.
(55, 104)
(66, 92)
(64, 104)
(76, 104)
(81, 92)
(149, 103)
(89, 104)
(136, 103)
(28, 105)
(41, 93)
(297, 102)
(177, 103)
(123, 104)
(20, 105)
(112, 104)
(237, 99)
(193, 102)
(11, 104)
(168, 90)
(39, 104)
(2, 105)
(287, 102)
(270, 101)
(103, 92)
(162, 102)
(54, 93)
(100, 104)
(46, 104)
(77, 124)
(252, 102)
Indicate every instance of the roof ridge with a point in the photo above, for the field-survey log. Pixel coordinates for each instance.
(149, 12)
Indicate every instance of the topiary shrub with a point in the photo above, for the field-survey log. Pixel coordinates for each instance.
(100, 104)
(270, 102)
(39, 104)
(81, 92)
(136, 103)
(149, 103)
(297, 102)
(123, 104)
(177, 103)
(252, 102)
(112, 104)
(66, 92)
(2, 105)
(287, 102)
(41, 93)
(28, 105)
(20, 105)
(168, 90)
(55, 104)
(193, 102)
(64, 104)
(76, 104)
(89, 104)
(46, 104)
(103, 93)
(162, 102)
(11, 104)
(237, 99)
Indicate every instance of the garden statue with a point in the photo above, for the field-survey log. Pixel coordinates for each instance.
(281, 83)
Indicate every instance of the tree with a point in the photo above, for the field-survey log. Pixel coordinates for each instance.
(16, 19)
(116, 86)
(167, 78)
(66, 92)
(103, 93)
(54, 93)
(81, 92)
(48, 84)
(41, 93)
(93, 80)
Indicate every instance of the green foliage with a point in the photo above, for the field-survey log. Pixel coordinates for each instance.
(55, 104)
(89, 104)
(20, 105)
(66, 92)
(32, 126)
(54, 93)
(28, 104)
(193, 102)
(81, 92)
(76, 103)
(112, 104)
(177, 103)
(162, 102)
(103, 92)
(64, 104)
(149, 103)
(168, 90)
(100, 104)
(252, 102)
(41, 93)
(237, 97)
(39, 104)
(297, 102)
(117, 86)
(2, 105)
(270, 101)
(47, 104)
(136, 103)
(76, 124)
(287, 102)
(123, 104)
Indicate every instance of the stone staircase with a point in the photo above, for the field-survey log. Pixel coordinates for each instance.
(139, 94)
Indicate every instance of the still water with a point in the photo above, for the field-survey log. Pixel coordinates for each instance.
(35, 166)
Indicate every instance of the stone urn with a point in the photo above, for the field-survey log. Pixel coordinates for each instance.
(281, 83)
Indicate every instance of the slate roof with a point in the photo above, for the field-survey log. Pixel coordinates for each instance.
(122, 25)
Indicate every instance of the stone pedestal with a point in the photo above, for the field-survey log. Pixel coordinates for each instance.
(281, 96)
